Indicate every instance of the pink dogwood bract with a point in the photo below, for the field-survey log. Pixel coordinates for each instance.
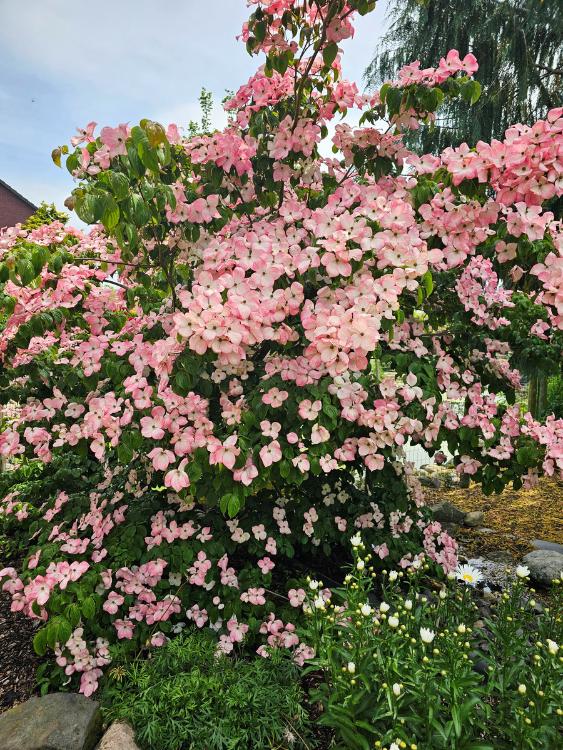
(224, 372)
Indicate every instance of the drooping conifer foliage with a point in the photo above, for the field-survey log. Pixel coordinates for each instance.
(518, 44)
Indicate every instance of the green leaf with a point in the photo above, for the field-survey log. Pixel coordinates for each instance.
(108, 210)
(233, 506)
(428, 283)
(471, 91)
(85, 207)
(138, 210)
(393, 100)
(146, 153)
(40, 642)
(119, 184)
(72, 614)
(259, 31)
(25, 271)
(329, 53)
(88, 608)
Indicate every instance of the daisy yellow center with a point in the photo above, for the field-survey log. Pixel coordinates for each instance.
(468, 577)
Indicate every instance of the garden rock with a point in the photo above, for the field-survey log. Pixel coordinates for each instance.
(447, 512)
(119, 736)
(544, 565)
(552, 546)
(474, 518)
(60, 721)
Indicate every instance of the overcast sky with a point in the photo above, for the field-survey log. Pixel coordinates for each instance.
(66, 62)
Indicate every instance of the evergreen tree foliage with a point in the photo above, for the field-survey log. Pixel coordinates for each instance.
(46, 213)
(518, 44)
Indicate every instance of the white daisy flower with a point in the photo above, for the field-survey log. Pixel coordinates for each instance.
(468, 574)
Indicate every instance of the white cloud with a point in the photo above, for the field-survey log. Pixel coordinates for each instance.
(65, 62)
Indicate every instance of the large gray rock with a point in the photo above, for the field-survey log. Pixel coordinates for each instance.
(545, 565)
(474, 518)
(120, 736)
(60, 721)
(553, 546)
(447, 512)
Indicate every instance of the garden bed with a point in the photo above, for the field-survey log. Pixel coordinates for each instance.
(513, 519)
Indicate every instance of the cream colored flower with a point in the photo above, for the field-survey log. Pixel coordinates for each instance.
(426, 635)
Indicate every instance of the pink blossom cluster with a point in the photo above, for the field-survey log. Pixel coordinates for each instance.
(449, 66)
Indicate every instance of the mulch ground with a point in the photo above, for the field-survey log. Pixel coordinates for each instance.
(514, 518)
(18, 661)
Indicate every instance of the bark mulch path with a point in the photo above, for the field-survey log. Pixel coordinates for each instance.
(512, 519)
(18, 660)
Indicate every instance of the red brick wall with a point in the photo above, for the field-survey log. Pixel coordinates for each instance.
(12, 208)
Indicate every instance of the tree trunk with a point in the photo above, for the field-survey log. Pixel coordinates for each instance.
(537, 394)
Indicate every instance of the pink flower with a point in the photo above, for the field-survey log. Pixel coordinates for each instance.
(237, 630)
(158, 639)
(84, 134)
(114, 139)
(308, 410)
(274, 397)
(124, 629)
(271, 453)
(297, 597)
(253, 596)
(224, 453)
(176, 479)
(161, 458)
(89, 682)
(266, 565)
(112, 603)
(246, 474)
(319, 434)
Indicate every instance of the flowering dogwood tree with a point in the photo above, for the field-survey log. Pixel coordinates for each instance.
(222, 374)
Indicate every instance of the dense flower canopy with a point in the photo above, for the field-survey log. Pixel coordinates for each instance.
(255, 330)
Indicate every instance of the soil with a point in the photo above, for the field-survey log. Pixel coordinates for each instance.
(18, 660)
(512, 519)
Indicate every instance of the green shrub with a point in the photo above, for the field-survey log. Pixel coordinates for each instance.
(189, 698)
(422, 669)
(555, 396)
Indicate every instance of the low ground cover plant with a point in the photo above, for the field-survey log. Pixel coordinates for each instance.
(189, 697)
(420, 668)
